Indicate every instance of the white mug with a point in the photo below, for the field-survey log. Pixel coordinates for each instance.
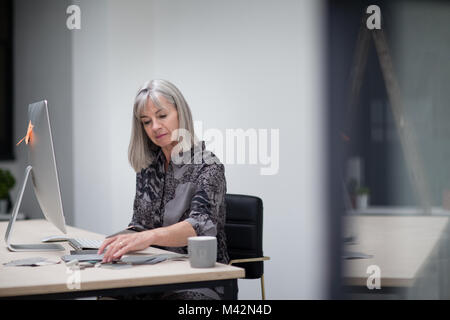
(202, 251)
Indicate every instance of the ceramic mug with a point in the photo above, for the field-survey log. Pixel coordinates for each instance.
(202, 251)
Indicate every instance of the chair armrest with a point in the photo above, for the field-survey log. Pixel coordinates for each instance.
(248, 260)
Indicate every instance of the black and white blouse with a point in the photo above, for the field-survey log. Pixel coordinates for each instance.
(192, 192)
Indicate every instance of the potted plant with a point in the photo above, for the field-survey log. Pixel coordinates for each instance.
(7, 182)
(362, 197)
(352, 186)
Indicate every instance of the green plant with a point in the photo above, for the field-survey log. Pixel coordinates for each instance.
(352, 185)
(362, 191)
(7, 182)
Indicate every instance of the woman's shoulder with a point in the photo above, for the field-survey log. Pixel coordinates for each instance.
(205, 167)
(208, 162)
(212, 169)
(211, 172)
(204, 157)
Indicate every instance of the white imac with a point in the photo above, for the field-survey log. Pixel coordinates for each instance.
(42, 167)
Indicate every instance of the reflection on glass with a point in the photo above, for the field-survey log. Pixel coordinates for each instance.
(396, 176)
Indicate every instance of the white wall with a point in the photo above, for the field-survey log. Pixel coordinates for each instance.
(240, 64)
(91, 120)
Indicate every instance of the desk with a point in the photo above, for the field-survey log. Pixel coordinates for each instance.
(407, 249)
(50, 281)
(398, 210)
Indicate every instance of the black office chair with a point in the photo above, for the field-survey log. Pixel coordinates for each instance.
(243, 229)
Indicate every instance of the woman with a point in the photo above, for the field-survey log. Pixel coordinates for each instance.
(174, 199)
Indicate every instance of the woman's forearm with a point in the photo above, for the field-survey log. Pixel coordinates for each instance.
(175, 235)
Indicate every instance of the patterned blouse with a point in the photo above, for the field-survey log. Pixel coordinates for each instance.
(192, 192)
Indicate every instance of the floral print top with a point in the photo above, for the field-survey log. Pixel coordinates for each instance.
(192, 192)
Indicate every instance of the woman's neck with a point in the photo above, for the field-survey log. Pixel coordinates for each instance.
(167, 154)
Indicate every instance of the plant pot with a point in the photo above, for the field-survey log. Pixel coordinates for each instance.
(362, 201)
(3, 206)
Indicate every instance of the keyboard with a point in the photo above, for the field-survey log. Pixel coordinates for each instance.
(82, 244)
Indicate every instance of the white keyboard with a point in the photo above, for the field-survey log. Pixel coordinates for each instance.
(81, 243)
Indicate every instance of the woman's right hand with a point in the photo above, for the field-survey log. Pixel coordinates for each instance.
(117, 246)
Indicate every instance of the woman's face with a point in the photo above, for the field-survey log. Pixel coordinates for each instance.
(160, 123)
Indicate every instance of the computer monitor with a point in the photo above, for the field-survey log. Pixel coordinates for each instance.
(42, 166)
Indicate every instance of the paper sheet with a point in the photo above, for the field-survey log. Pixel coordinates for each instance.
(32, 262)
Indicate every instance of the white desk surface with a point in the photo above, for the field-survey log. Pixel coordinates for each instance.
(16, 281)
(400, 246)
(398, 210)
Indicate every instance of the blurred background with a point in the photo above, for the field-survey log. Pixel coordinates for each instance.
(362, 177)
(389, 93)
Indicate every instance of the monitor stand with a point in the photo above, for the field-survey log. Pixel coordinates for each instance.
(26, 247)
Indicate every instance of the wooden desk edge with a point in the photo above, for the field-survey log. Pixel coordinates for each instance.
(385, 282)
(121, 283)
(225, 273)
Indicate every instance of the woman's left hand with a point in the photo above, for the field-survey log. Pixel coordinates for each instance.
(121, 244)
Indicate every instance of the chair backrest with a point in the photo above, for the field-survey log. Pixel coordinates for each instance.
(243, 229)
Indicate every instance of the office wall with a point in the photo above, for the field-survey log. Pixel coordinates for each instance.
(91, 119)
(42, 66)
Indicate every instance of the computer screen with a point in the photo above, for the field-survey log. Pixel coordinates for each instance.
(42, 158)
(44, 173)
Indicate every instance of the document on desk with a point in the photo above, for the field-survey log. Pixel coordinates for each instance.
(31, 262)
(153, 259)
(129, 259)
(82, 257)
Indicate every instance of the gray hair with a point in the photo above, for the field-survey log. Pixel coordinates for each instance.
(142, 151)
